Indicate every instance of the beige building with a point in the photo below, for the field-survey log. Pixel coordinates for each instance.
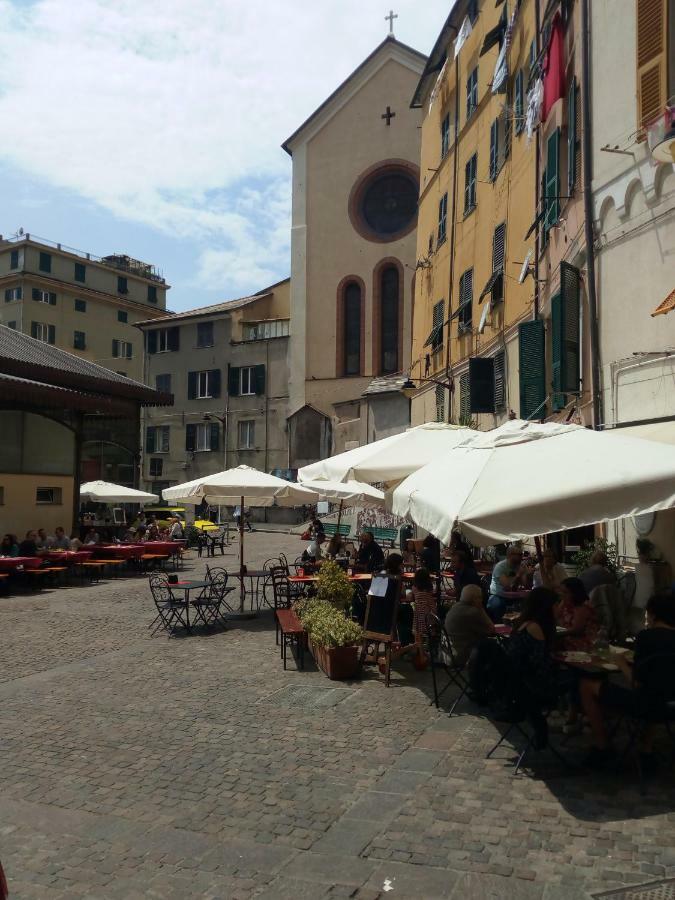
(634, 202)
(355, 189)
(78, 302)
(227, 368)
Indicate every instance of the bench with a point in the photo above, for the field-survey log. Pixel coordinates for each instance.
(385, 537)
(292, 632)
(330, 528)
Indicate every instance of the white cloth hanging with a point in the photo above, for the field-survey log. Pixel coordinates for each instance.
(535, 98)
(501, 70)
(437, 86)
(462, 35)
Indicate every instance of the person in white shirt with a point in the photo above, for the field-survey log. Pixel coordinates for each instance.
(549, 573)
(313, 550)
(176, 533)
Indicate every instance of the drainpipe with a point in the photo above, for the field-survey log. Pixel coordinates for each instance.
(452, 236)
(598, 416)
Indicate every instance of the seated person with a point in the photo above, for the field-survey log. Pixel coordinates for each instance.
(598, 572)
(141, 534)
(630, 694)
(424, 598)
(312, 551)
(9, 545)
(370, 556)
(28, 546)
(575, 614)
(549, 572)
(176, 532)
(153, 532)
(60, 541)
(92, 537)
(431, 554)
(467, 623)
(336, 546)
(457, 542)
(75, 542)
(463, 570)
(316, 527)
(509, 574)
(43, 540)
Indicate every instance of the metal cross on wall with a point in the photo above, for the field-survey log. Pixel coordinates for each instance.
(390, 18)
(388, 115)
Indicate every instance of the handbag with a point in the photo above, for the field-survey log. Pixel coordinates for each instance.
(305, 536)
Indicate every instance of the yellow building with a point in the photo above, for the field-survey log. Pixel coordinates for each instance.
(478, 198)
(82, 303)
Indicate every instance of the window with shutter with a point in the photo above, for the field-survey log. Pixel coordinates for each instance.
(45, 263)
(472, 93)
(571, 136)
(246, 434)
(192, 385)
(205, 334)
(570, 290)
(247, 381)
(518, 103)
(81, 306)
(233, 381)
(214, 435)
(438, 315)
(464, 399)
(152, 293)
(80, 273)
(163, 383)
(259, 379)
(79, 340)
(652, 59)
(14, 259)
(122, 285)
(152, 341)
(498, 247)
(445, 135)
(156, 467)
(465, 301)
(439, 398)
(500, 380)
(558, 399)
(532, 365)
(150, 435)
(470, 184)
(552, 181)
(494, 149)
(442, 218)
(173, 339)
(481, 385)
(191, 438)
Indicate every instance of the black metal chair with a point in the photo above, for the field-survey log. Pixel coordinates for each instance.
(202, 543)
(443, 660)
(283, 596)
(170, 612)
(212, 599)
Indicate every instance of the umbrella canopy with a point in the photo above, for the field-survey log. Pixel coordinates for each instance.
(228, 487)
(106, 492)
(525, 479)
(349, 493)
(390, 459)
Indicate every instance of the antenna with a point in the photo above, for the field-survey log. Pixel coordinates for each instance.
(525, 271)
(20, 232)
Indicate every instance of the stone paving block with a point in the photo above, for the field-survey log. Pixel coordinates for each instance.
(417, 760)
(401, 782)
(376, 806)
(472, 886)
(283, 888)
(329, 868)
(413, 881)
(348, 836)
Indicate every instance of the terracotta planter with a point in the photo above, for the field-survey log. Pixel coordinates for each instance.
(336, 662)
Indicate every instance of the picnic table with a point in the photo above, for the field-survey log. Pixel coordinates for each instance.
(12, 563)
(69, 557)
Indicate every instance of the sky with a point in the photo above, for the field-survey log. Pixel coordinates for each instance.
(154, 127)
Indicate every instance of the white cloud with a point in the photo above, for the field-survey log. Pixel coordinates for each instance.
(171, 113)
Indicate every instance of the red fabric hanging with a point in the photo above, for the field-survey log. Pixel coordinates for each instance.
(554, 68)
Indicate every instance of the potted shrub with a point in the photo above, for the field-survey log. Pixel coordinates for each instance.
(334, 640)
(333, 585)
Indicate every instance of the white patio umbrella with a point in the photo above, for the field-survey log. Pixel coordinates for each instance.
(349, 493)
(106, 492)
(233, 487)
(390, 459)
(524, 479)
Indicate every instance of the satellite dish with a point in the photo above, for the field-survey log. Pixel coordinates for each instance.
(20, 232)
(525, 271)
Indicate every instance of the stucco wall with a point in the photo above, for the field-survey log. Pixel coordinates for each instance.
(20, 512)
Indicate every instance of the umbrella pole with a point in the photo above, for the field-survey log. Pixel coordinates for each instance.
(242, 592)
(339, 517)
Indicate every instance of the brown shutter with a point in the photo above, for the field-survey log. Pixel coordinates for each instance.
(651, 59)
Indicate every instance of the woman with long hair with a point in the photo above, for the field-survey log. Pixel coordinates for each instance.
(575, 614)
(531, 642)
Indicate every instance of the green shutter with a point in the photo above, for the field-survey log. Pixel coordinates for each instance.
(150, 439)
(233, 381)
(214, 383)
(51, 334)
(570, 288)
(192, 386)
(259, 379)
(494, 148)
(558, 399)
(532, 363)
(572, 136)
(190, 437)
(552, 180)
(214, 436)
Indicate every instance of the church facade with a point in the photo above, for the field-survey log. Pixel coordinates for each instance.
(355, 191)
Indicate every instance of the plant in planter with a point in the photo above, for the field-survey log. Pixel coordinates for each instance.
(333, 639)
(333, 586)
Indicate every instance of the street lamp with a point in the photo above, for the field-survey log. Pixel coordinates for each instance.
(409, 389)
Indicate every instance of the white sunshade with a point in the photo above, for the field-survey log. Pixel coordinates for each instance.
(525, 479)
(390, 459)
(228, 487)
(661, 432)
(106, 492)
(350, 493)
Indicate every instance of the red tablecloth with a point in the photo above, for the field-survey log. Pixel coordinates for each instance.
(163, 546)
(119, 551)
(10, 563)
(69, 557)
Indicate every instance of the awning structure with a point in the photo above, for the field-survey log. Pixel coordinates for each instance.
(661, 432)
(524, 479)
(537, 220)
(492, 281)
(107, 492)
(667, 306)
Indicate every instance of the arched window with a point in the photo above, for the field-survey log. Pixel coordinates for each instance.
(389, 315)
(352, 328)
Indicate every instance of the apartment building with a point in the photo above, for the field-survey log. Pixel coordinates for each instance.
(227, 368)
(478, 198)
(79, 302)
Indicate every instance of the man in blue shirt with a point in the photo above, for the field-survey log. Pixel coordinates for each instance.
(508, 575)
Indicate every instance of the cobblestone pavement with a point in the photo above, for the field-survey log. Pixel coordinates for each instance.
(141, 767)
